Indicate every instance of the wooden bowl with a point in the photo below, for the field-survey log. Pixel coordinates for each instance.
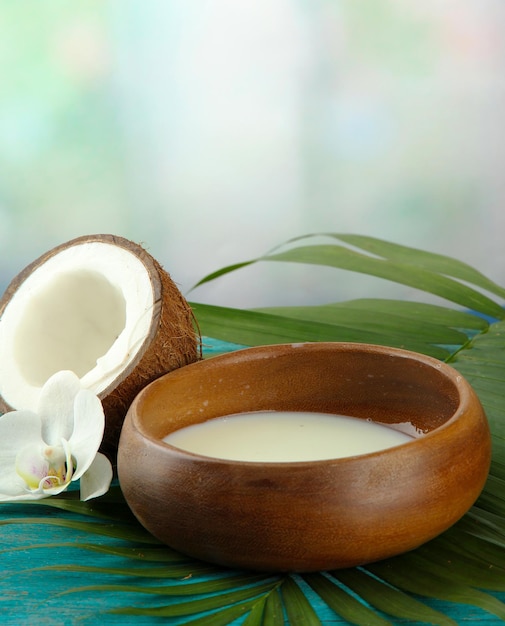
(311, 515)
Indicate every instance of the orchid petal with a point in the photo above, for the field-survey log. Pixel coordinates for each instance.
(19, 492)
(32, 465)
(56, 406)
(89, 424)
(41, 453)
(96, 481)
(12, 486)
(17, 430)
(44, 492)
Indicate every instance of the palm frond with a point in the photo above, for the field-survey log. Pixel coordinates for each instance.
(432, 273)
(298, 608)
(465, 565)
(342, 602)
(389, 599)
(202, 604)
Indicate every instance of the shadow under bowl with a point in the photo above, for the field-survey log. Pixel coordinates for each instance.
(310, 515)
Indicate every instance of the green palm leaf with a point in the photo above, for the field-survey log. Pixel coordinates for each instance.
(407, 266)
(298, 608)
(425, 328)
(388, 599)
(343, 603)
(256, 614)
(226, 616)
(471, 344)
(465, 565)
(438, 263)
(202, 604)
(410, 573)
(174, 570)
(224, 583)
(160, 554)
(119, 531)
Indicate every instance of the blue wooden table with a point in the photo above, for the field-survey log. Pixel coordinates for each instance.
(32, 594)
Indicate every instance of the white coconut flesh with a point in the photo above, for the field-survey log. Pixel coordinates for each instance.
(88, 309)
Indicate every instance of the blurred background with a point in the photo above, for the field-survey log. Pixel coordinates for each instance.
(213, 130)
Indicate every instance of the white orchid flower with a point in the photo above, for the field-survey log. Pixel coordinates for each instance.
(42, 453)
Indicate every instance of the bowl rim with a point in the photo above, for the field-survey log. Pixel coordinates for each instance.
(465, 395)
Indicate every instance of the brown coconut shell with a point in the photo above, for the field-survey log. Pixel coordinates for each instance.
(173, 339)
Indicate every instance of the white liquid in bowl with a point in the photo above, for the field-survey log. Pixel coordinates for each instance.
(285, 436)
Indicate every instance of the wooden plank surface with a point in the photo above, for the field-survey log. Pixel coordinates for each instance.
(31, 596)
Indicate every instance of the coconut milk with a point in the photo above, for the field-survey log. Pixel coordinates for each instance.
(285, 436)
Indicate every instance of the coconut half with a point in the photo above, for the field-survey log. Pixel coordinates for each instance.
(98, 305)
